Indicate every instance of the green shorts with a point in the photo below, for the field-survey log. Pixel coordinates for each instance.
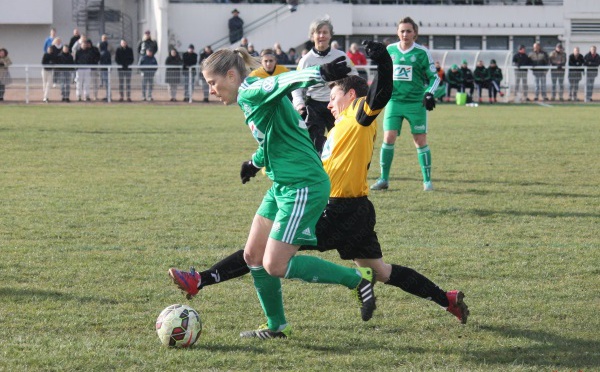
(414, 113)
(294, 212)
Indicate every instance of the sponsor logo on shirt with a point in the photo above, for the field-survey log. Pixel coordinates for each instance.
(403, 72)
(268, 84)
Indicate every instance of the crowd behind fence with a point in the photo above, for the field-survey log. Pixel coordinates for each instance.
(106, 84)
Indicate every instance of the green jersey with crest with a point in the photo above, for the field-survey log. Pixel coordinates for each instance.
(284, 146)
(414, 73)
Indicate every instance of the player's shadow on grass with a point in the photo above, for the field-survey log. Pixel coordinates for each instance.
(546, 349)
(6, 293)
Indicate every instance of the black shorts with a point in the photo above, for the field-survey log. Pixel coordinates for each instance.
(348, 225)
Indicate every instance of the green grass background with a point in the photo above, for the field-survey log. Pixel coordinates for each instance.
(98, 202)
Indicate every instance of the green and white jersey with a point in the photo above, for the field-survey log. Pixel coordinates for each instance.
(284, 146)
(413, 68)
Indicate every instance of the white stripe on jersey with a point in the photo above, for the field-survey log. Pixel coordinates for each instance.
(296, 217)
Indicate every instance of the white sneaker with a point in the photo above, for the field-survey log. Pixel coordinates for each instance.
(427, 186)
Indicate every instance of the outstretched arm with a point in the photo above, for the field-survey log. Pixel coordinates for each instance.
(381, 88)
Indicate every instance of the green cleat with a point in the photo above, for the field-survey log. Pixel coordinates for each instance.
(263, 332)
(365, 294)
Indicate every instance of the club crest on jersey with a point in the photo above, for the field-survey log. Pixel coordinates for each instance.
(256, 133)
(413, 59)
(403, 72)
(268, 84)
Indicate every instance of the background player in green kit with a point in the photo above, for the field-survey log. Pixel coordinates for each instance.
(410, 100)
(289, 211)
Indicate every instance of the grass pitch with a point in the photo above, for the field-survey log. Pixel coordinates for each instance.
(98, 202)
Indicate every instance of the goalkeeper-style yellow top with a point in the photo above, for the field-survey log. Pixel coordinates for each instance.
(262, 73)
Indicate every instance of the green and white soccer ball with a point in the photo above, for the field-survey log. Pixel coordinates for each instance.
(178, 326)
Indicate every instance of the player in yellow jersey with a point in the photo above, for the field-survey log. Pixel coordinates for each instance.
(348, 222)
(269, 66)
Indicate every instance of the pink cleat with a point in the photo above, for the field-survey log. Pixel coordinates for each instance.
(457, 306)
(187, 282)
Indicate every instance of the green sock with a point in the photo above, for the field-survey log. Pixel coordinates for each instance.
(316, 270)
(268, 289)
(425, 161)
(385, 160)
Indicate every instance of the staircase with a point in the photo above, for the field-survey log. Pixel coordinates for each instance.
(93, 18)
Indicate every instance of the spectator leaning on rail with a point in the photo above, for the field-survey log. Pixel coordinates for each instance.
(190, 60)
(558, 60)
(576, 63)
(5, 78)
(539, 58)
(522, 62)
(592, 61)
(124, 58)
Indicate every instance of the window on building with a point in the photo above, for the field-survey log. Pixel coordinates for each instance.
(423, 40)
(470, 43)
(525, 40)
(444, 42)
(549, 42)
(497, 42)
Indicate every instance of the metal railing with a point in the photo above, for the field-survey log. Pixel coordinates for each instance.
(107, 83)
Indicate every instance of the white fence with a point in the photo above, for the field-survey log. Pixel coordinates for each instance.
(105, 83)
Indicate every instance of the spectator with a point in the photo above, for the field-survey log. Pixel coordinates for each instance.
(64, 74)
(359, 59)
(57, 45)
(453, 81)
(252, 51)
(149, 67)
(539, 59)
(592, 61)
(521, 61)
(204, 55)
(494, 79)
(440, 91)
(49, 39)
(244, 43)
(189, 60)
(558, 60)
(173, 77)
(94, 72)
(84, 57)
(5, 78)
(467, 80)
(480, 76)
(576, 63)
(74, 38)
(269, 66)
(147, 43)
(282, 58)
(236, 26)
(48, 59)
(292, 56)
(105, 60)
(335, 45)
(77, 47)
(124, 58)
(312, 103)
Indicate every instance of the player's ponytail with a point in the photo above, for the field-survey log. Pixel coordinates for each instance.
(224, 60)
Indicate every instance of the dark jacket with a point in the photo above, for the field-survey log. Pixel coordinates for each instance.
(147, 44)
(494, 73)
(454, 78)
(124, 57)
(480, 74)
(190, 60)
(174, 69)
(105, 57)
(48, 59)
(86, 57)
(236, 29)
(467, 75)
(521, 60)
(539, 59)
(592, 61)
(65, 59)
(574, 62)
(149, 61)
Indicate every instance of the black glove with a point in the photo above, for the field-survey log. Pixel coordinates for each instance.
(303, 113)
(375, 51)
(248, 171)
(429, 102)
(335, 70)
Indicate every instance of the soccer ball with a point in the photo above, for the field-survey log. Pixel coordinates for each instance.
(178, 326)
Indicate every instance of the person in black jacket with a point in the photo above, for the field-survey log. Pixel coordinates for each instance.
(105, 60)
(480, 76)
(592, 61)
(453, 81)
(204, 55)
(64, 74)
(190, 60)
(576, 63)
(85, 57)
(236, 27)
(124, 58)
(149, 67)
(173, 77)
(467, 80)
(494, 78)
(521, 61)
(147, 43)
(48, 59)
